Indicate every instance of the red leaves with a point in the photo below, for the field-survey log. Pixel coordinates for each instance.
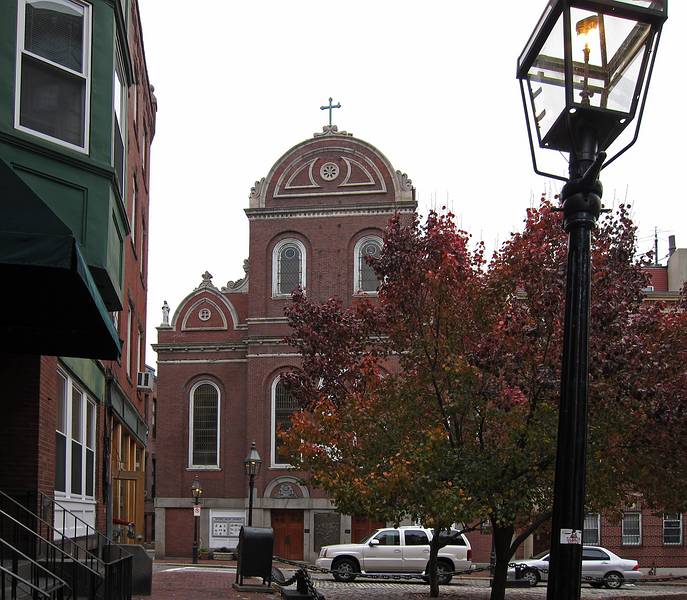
(453, 375)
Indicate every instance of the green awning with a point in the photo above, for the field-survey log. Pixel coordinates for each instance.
(49, 303)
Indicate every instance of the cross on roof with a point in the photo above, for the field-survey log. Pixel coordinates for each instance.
(329, 108)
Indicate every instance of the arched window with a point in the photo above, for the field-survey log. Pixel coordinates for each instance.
(365, 279)
(204, 426)
(288, 267)
(283, 406)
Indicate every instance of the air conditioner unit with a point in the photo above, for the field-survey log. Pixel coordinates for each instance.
(144, 380)
(648, 288)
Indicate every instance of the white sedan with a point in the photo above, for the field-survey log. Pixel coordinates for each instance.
(599, 567)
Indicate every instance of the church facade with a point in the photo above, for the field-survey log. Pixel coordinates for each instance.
(321, 209)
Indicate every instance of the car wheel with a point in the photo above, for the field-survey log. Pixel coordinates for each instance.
(531, 577)
(444, 570)
(613, 580)
(345, 569)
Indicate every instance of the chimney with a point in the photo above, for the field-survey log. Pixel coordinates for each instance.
(671, 245)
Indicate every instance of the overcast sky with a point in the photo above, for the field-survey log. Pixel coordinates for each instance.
(431, 84)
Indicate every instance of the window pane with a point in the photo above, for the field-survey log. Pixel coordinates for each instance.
(416, 538)
(60, 462)
(205, 412)
(284, 406)
(90, 425)
(289, 269)
(368, 278)
(52, 101)
(54, 30)
(90, 472)
(672, 528)
(61, 403)
(77, 434)
(590, 534)
(389, 538)
(631, 529)
(76, 468)
(119, 135)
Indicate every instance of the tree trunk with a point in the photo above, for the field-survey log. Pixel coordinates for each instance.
(432, 565)
(502, 537)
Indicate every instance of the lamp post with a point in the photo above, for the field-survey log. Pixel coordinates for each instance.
(252, 465)
(584, 75)
(197, 492)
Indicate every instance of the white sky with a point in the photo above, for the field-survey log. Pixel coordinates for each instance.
(431, 84)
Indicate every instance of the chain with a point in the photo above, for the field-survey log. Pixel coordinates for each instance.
(308, 567)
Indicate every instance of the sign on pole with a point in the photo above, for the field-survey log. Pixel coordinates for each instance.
(196, 510)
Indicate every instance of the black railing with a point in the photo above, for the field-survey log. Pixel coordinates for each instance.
(21, 576)
(96, 569)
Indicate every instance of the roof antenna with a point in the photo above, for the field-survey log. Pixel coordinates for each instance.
(655, 246)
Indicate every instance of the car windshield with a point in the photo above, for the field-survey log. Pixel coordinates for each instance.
(542, 555)
(369, 536)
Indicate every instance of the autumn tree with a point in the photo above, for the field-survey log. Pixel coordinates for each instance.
(439, 401)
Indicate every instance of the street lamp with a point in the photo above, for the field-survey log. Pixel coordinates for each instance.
(584, 74)
(252, 465)
(197, 492)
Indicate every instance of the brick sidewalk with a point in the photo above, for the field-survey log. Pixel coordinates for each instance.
(207, 582)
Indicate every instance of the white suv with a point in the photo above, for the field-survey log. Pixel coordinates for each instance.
(396, 550)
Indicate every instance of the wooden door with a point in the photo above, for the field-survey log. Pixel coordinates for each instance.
(361, 527)
(288, 533)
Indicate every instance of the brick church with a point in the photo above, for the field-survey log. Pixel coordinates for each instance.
(320, 210)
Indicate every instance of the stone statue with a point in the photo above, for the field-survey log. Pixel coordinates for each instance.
(165, 314)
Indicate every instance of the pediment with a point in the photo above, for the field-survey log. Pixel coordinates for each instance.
(330, 172)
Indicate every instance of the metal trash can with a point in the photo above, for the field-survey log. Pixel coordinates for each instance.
(255, 554)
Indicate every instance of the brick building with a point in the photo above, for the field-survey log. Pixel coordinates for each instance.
(322, 207)
(74, 143)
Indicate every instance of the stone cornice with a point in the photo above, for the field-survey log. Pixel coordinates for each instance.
(206, 347)
(306, 212)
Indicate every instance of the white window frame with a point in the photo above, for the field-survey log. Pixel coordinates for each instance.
(356, 263)
(191, 398)
(679, 543)
(86, 75)
(71, 384)
(598, 530)
(275, 265)
(622, 539)
(118, 76)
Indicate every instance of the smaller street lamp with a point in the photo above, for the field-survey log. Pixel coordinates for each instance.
(197, 492)
(251, 464)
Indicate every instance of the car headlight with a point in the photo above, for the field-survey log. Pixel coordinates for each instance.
(323, 553)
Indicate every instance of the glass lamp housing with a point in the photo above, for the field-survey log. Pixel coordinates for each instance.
(252, 462)
(196, 488)
(587, 63)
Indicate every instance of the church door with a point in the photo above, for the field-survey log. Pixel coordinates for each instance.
(288, 533)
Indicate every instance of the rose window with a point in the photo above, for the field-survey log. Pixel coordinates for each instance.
(329, 171)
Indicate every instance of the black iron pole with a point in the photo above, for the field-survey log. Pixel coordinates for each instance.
(581, 198)
(195, 531)
(251, 484)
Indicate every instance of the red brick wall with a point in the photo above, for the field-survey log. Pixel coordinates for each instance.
(651, 551)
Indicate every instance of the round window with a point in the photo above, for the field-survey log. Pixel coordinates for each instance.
(289, 252)
(204, 314)
(329, 171)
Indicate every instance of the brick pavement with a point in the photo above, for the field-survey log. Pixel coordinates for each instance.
(204, 582)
